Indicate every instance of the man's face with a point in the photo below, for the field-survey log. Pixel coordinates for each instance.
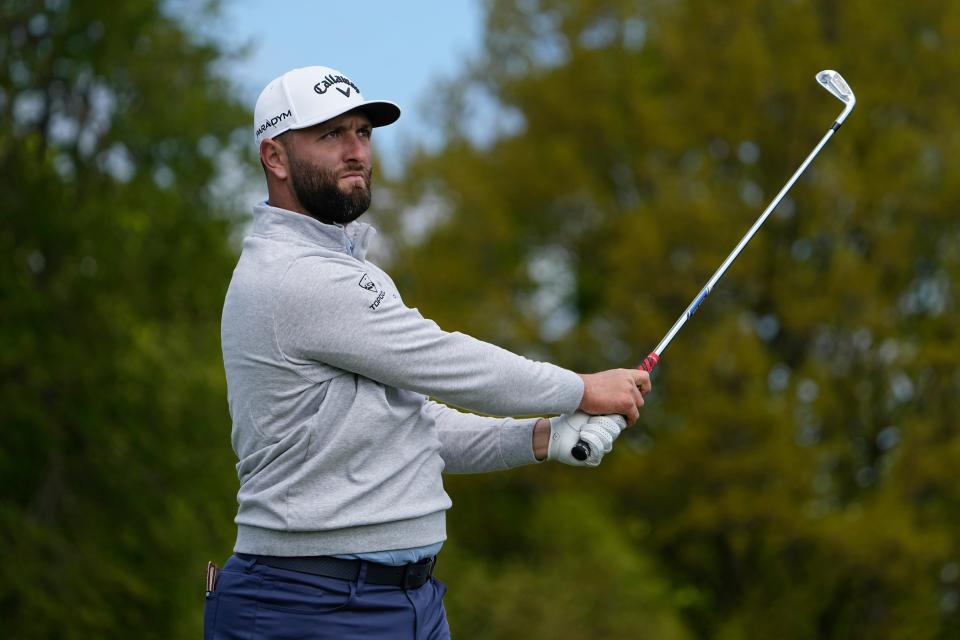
(330, 167)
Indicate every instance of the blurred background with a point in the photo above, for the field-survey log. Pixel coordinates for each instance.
(565, 178)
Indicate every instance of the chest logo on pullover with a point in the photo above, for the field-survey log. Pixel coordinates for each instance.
(369, 285)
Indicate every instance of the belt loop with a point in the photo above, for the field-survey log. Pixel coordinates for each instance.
(361, 576)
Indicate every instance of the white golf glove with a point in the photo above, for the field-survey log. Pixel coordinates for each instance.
(597, 431)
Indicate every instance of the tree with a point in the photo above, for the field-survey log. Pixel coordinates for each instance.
(793, 464)
(117, 484)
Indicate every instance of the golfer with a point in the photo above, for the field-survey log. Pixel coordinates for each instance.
(340, 449)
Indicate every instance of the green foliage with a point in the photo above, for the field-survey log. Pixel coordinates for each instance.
(558, 578)
(114, 455)
(794, 472)
(794, 462)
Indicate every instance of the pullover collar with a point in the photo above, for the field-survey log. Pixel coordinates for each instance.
(353, 238)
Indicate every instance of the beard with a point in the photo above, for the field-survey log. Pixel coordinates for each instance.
(319, 194)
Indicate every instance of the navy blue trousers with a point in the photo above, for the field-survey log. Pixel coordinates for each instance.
(255, 602)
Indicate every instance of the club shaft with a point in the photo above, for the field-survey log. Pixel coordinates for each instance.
(581, 450)
(836, 85)
(686, 315)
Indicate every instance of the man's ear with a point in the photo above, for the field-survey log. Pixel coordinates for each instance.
(275, 159)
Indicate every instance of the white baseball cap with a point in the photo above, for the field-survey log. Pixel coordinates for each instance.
(301, 98)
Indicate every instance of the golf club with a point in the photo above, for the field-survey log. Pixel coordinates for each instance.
(835, 84)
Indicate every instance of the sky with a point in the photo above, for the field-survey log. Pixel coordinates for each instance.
(392, 50)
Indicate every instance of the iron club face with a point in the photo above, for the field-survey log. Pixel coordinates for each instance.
(836, 85)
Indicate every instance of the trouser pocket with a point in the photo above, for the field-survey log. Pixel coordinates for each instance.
(210, 615)
(211, 601)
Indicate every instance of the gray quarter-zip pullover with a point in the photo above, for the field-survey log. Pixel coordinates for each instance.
(328, 376)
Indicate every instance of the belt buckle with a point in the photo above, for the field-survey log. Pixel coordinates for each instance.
(416, 574)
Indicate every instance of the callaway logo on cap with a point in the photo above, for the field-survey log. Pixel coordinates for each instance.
(304, 97)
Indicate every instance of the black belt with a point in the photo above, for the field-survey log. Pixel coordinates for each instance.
(408, 576)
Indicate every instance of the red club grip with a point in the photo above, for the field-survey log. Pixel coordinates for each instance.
(581, 450)
(649, 362)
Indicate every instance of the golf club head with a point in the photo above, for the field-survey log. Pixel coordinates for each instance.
(835, 84)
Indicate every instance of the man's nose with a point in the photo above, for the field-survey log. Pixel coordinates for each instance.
(356, 147)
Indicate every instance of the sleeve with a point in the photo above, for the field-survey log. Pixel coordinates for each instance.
(334, 312)
(475, 444)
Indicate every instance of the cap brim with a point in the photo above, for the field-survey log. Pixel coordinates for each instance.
(380, 112)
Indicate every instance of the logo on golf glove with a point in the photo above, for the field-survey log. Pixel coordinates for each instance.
(597, 431)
